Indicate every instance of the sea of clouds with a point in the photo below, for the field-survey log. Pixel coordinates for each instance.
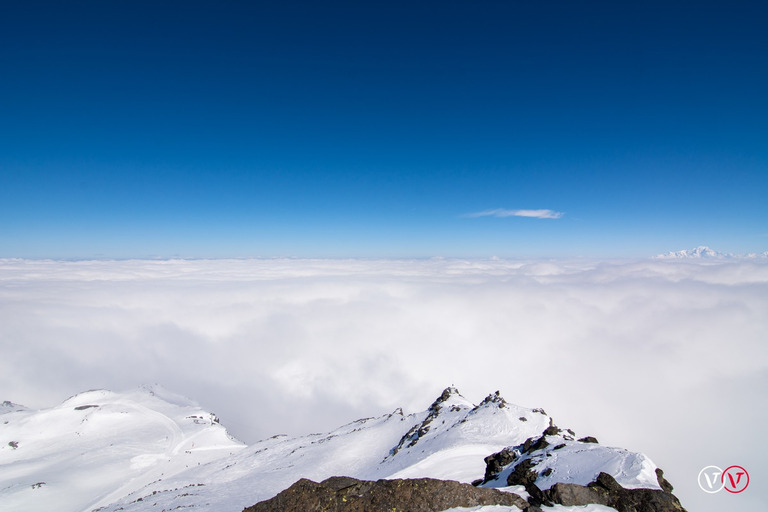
(664, 357)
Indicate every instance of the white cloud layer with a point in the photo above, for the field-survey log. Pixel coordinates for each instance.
(664, 357)
(502, 212)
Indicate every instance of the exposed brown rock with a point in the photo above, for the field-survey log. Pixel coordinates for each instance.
(344, 494)
(605, 490)
(663, 482)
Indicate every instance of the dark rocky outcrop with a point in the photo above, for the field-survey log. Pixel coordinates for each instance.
(605, 490)
(532, 445)
(84, 407)
(523, 474)
(519, 464)
(663, 483)
(496, 462)
(552, 429)
(344, 494)
(493, 398)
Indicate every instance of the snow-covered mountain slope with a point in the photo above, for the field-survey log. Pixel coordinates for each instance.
(449, 441)
(151, 450)
(98, 446)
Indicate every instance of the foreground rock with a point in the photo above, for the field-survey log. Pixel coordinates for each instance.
(606, 491)
(344, 494)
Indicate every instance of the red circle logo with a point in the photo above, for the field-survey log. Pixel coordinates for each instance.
(735, 479)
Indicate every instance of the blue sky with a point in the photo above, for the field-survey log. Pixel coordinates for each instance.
(242, 129)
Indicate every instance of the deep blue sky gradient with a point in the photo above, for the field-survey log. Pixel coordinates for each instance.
(214, 129)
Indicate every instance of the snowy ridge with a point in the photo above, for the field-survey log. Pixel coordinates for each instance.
(151, 449)
(460, 435)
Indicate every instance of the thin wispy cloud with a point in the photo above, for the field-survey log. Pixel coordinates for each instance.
(503, 212)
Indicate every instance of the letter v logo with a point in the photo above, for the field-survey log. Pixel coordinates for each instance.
(735, 483)
(710, 479)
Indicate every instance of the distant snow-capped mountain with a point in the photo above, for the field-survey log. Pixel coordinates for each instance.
(704, 252)
(7, 406)
(152, 450)
(700, 252)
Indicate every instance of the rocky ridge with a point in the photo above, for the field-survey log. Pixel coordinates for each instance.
(539, 465)
(553, 468)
